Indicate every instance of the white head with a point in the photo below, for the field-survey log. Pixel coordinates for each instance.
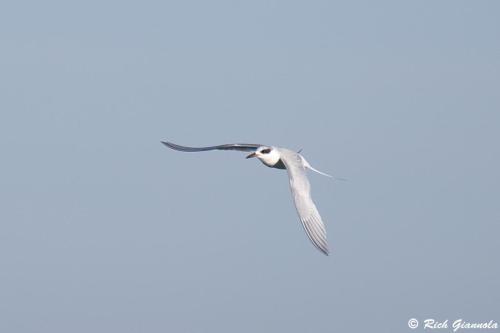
(267, 155)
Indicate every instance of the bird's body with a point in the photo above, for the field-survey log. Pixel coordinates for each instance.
(296, 165)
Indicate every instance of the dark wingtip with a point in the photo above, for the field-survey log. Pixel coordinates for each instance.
(181, 148)
(168, 144)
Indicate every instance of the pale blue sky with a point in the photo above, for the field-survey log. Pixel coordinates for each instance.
(105, 230)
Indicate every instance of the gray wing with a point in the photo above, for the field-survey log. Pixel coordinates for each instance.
(230, 146)
(301, 193)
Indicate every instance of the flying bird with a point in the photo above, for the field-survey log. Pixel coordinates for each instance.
(296, 165)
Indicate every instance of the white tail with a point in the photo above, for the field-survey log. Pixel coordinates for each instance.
(308, 166)
(321, 173)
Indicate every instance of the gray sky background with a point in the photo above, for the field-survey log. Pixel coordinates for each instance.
(105, 230)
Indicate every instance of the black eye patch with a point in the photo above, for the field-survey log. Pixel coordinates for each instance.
(266, 151)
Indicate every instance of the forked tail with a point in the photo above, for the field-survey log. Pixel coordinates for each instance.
(308, 166)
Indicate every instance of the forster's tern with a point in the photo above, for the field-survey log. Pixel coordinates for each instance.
(296, 165)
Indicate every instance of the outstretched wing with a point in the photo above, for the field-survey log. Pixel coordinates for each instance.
(301, 193)
(229, 146)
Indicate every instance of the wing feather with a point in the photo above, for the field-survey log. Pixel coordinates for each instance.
(229, 146)
(301, 193)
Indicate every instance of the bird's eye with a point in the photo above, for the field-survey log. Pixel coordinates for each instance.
(265, 151)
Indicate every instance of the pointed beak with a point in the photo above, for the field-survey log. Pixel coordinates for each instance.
(252, 155)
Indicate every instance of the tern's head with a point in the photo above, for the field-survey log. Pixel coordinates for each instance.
(267, 155)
